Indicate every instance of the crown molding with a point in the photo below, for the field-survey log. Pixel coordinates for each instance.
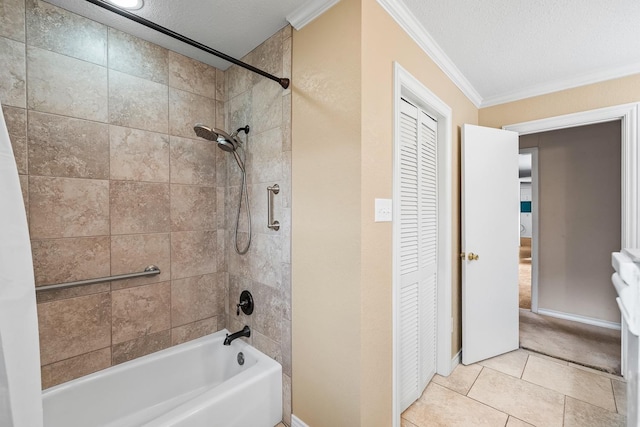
(419, 34)
(308, 12)
(559, 85)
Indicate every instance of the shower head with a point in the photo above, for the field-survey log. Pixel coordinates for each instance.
(226, 142)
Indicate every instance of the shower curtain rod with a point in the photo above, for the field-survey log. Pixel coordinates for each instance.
(284, 82)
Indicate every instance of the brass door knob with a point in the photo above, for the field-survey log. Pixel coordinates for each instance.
(473, 257)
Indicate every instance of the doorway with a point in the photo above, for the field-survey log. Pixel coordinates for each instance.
(579, 207)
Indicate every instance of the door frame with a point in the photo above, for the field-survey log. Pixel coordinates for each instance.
(630, 155)
(534, 225)
(406, 85)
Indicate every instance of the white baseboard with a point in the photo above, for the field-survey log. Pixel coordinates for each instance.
(297, 422)
(581, 319)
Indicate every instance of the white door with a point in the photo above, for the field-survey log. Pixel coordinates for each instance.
(490, 239)
(417, 250)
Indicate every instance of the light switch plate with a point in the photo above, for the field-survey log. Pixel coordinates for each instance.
(383, 210)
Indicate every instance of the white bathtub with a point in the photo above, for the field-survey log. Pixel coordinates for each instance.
(196, 384)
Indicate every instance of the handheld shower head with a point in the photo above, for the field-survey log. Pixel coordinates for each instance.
(226, 142)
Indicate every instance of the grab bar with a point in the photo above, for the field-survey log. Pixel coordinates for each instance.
(151, 270)
(273, 225)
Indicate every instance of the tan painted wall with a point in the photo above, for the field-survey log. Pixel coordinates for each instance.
(326, 272)
(342, 159)
(579, 205)
(585, 98)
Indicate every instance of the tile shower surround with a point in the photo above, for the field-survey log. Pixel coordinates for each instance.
(114, 179)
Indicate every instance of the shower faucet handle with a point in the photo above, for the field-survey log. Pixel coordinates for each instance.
(246, 303)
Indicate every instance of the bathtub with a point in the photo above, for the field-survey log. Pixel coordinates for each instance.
(196, 384)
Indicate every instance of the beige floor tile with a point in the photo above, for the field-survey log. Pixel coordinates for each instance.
(514, 422)
(577, 383)
(595, 371)
(581, 414)
(511, 363)
(461, 379)
(406, 423)
(544, 356)
(441, 407)
(620, 394)
(528, 402)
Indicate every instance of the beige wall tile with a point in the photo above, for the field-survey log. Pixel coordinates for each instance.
(440, 407)
(239, 112)
(220, 86)
(138, 155)
(267, 346)
(193, 161)
(16, 119)
(67, 86)
(70, 259)
(268, 57)
(24, 186)
(139, 207)
(52, 28)
(267, 314)
(237, 81)
(266, 157)
(583, 385)
(191, 75)
(186, 109)
(266, 106)
(286, 123)
(527, 402)
(194, 330)
(13, 73)
(138, 57)
(68, 207)
(265, 259)
(66, 147)
(133, 349)
(140, 311)
(134, 253)
(138, 103)
(196, 298)
(461, 379)
(193, 253)
(12, 20)
(78, 291)
(286, 399)
(75, 367)
(581, 414)
(220, 115)
(193, 208)
(74, 326)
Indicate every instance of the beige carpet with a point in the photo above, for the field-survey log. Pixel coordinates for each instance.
(586, 345)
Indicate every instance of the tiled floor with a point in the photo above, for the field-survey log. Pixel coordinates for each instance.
(520, 389)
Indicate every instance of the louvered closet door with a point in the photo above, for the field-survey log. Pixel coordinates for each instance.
(418, 251)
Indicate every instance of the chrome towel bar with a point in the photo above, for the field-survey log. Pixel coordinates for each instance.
(149, 271)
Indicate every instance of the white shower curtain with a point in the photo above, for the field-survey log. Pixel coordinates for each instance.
(20, 389)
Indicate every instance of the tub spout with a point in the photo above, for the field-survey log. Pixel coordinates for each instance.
(245, 332)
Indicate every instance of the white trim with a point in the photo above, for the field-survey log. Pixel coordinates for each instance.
(535, 242)
(455, 361)
(297, 422)
(630, 156)
(308, 12)
(408, 22)
(407, 85)
(580, 319)
(558, 85)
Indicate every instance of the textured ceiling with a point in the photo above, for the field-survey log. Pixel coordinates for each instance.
(505, 49)
(510, 47)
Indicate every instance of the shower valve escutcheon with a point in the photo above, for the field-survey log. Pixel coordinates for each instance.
(245, 304)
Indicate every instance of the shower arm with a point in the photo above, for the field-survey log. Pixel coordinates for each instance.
(284, 82)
